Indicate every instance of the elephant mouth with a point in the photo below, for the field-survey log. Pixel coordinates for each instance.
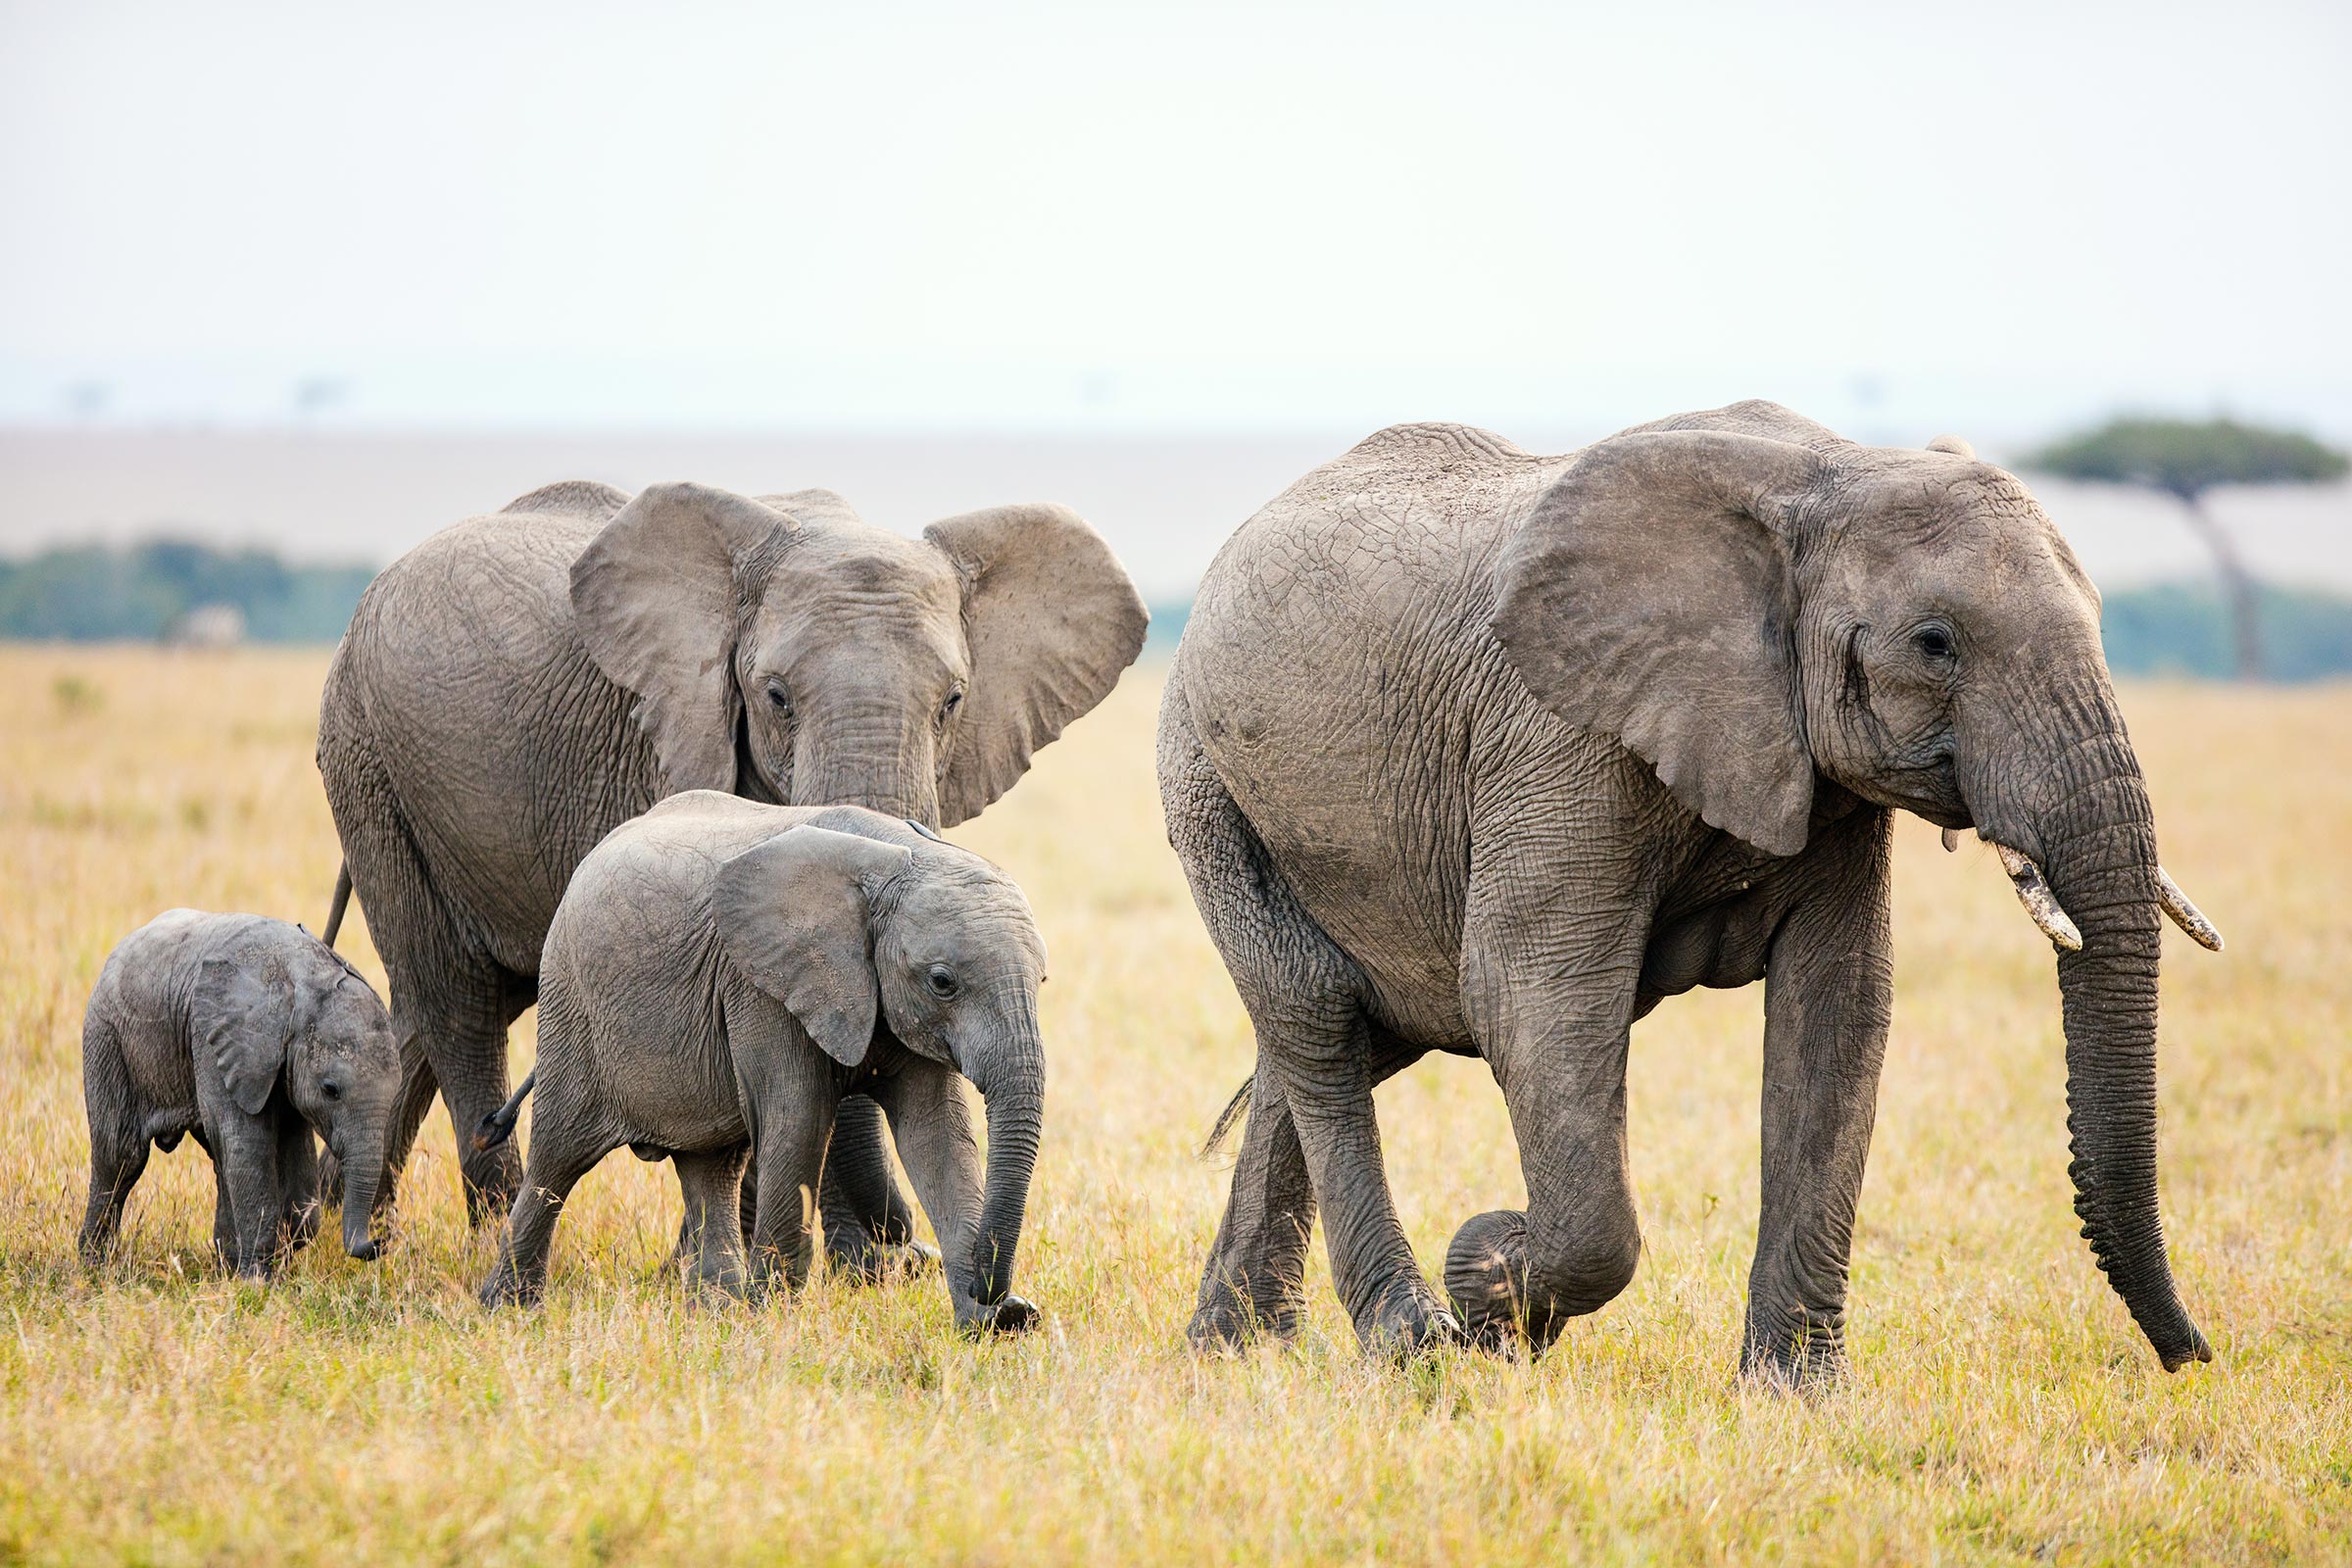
(2042, 907)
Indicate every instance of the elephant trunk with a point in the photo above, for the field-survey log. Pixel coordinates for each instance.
(2099, 844)
(875, 757)
(1014, 1087)
(363, 1170)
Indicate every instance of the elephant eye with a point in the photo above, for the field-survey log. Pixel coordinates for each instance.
(331, 1089)
(946, 708)
(940, 980)
(1935, 642)
(779, 698)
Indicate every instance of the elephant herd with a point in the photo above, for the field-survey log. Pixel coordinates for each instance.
(1464, 750)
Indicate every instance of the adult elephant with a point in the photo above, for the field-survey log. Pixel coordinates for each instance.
(1473, 750)
(519, 684)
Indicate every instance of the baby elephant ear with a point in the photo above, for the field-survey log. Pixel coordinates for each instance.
(244, 1016)
(654, 598)
(795, 916)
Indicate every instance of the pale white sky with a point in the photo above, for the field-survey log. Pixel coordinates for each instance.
(1192, 216)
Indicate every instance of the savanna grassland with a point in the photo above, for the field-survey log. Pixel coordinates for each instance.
(2001, 1404)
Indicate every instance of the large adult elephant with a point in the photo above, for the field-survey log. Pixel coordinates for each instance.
(1473, 750)
(519, 684)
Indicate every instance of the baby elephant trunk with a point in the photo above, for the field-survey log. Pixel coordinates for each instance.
(1013, 1086)
(363, 1168)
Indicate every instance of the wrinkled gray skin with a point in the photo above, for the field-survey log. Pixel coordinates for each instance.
(518, 685)
(1472, 750)
(721, 973)
(249, 1033)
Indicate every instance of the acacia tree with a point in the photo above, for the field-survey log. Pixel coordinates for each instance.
(2184, 459)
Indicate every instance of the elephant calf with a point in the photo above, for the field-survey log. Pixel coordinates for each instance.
(249, 1033)
(720, 973)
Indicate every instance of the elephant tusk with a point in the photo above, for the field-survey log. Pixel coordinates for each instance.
(1951, 841)
(2184, 915)
(2040, 902)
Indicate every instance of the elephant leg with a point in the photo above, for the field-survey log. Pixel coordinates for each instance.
(452, 1001)
(869, 1224)
(224, 1218)
(1829, 995)
(1256, 1281)
(790, 1160)
(1303, 997)
(118, 1159)
(1553, 1025)
(566, 1141)
(298, 1181)
(245, 1160)
(453, 1037)
(712, 1243)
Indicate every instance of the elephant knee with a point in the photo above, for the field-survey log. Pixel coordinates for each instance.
(1584, 1273)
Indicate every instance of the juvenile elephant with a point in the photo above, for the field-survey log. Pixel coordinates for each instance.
(722, 972)
(520, 684)
(249, 1033)
(1473, 750)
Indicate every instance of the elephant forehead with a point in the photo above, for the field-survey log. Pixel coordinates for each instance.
(869, 561)
(894, 586)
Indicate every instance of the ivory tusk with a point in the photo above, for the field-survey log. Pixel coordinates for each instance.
(1951, 841)
(2186, 914)
(2040, 902)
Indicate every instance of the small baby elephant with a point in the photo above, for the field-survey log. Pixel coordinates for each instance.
(249, 1033)
(721, 972)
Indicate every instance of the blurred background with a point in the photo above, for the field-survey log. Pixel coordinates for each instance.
(287, 288)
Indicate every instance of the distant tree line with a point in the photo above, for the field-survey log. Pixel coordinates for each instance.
(92, 593)
(97, 594)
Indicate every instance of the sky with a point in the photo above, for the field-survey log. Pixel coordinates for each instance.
(1205, 217)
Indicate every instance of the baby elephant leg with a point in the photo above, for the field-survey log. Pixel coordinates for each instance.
(245, 1160)
(711, 1242)
(117, 1137)
(565, 1146)
(118, 1156)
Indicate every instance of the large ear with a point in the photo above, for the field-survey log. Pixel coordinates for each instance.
(244, 1010)
(656, 599)
(1050, 618)
(1649, 596)
(794, 914)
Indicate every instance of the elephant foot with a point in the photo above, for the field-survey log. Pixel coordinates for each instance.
(1408, 1320)
(1230, 1317)
(866, 1261)
(1013, 1316)
(504, 1288)
(1793, 1351)
(1486, 1279)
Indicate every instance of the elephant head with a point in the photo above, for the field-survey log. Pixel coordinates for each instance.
(781, 649)
(942, 947)
(306, 1022)
(1752, 604)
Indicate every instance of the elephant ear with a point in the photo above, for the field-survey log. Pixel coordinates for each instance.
(655, 596)
(1050, 620)
(794, 914)
(244, 1008)
(1648, 596)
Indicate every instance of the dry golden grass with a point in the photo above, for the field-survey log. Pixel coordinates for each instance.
(2001, 1404)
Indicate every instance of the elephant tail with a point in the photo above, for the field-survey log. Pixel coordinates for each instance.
(497, 1126)
(334, 913)
(1229, 1118)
